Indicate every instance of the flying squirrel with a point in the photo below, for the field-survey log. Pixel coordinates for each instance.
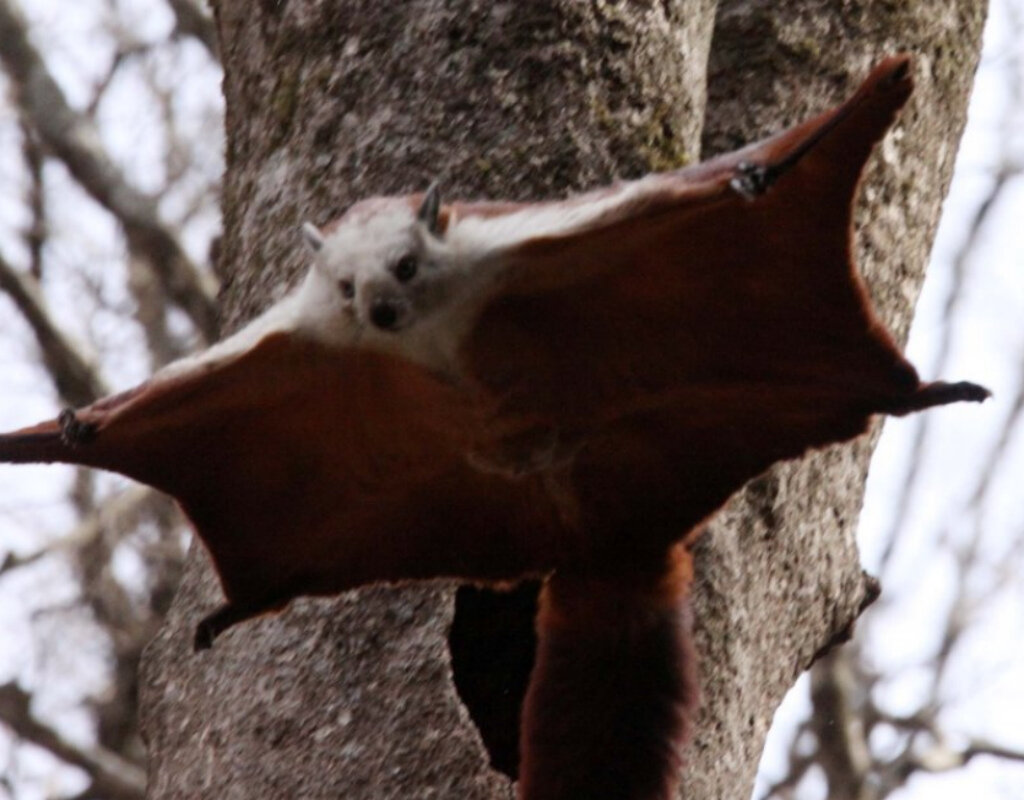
(563, 389)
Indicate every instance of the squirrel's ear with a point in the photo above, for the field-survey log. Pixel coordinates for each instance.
(313, 236)
(430, 209)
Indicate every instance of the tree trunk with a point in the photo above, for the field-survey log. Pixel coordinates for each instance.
(332, 101)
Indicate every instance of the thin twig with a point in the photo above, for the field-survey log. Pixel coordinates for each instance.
(111, 776)
(191, 20)
(77, 383)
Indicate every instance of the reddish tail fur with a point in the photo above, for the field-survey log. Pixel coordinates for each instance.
(613, 691)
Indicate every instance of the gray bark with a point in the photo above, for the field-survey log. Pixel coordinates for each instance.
(331, 101)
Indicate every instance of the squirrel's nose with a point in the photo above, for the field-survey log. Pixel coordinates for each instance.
(384, 315)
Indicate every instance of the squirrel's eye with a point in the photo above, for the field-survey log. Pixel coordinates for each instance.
(348, 289)
(405, 269)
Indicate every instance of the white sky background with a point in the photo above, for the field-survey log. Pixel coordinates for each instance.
(987, 347)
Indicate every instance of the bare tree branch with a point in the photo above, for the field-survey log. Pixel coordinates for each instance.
(150, 299)
(124, 52)
(149, 312)
(77, 383)
(128, 623)
(35, 235)
(798, 765)
(93, 541)
(843, 751)
(111, 776)
(191, 20)
(12, 562)
(940, 757)
(73, 139)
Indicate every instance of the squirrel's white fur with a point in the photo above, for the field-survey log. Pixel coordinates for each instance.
(457, 271)
(361, 249)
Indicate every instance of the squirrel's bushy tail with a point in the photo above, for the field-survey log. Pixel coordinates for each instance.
(613, 690)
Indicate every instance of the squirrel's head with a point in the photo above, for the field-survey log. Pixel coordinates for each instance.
(384, 257)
